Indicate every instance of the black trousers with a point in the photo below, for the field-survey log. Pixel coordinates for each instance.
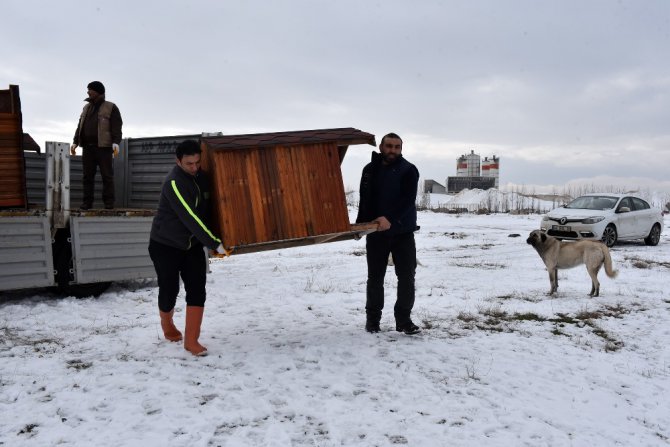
(92, 157)
(171, 263)
(403, 249)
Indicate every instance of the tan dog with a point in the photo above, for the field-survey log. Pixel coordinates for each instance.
(564, 255)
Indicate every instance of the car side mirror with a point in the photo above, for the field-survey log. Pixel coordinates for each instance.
(624, 209)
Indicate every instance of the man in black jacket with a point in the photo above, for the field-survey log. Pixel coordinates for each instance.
(178, 233)
(388, 197)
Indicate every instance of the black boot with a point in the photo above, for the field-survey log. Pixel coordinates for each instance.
(408, 328)
(372, 326)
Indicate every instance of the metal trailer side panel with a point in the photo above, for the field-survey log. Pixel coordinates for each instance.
(110, 248)
(146, 162)
(26, 259)
(36, 167)
(38, 176)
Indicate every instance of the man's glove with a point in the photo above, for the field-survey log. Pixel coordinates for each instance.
(115, 148)
(222, 251)
(73, 149)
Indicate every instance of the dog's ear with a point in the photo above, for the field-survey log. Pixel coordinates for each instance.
(543, 237)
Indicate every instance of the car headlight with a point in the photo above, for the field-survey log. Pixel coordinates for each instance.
(594, 219)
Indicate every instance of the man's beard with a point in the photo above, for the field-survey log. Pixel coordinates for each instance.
(390, 158)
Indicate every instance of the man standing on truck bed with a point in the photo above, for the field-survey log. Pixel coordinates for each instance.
(178, 234)
(99, 134)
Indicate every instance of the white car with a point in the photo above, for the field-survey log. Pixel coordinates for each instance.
(606, 217)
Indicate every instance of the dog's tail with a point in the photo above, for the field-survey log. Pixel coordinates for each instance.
(609, 269)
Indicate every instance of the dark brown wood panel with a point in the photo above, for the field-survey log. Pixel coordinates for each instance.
(12, 170)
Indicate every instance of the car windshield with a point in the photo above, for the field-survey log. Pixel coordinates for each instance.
(593, 203)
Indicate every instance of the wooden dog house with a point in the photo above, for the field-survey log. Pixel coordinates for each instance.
(281, 189)
(12, 170)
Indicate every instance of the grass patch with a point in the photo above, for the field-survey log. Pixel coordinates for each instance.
(611, 343)
(646, 263)
(563, 319)
(495, 319)
(78, 365)
(527, 316)
(588, 315)
(466, 317)
(27, 429)
(557, 331)
(493, 312)
(482, 265)
(11, 339)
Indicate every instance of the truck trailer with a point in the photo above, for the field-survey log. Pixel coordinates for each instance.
(271, 190)
(51, 243)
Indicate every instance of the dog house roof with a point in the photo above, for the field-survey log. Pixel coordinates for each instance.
(342, 136)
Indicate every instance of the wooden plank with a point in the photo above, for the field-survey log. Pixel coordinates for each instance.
(243, 212)
(290, 193)
(258, 209)
(259, 171)
(240, 218)
(226, 185)
(308, 177)
(318, 183)
(356, 231)
(283, 179)
(13, 194)
(264, 173)
(277, 205)
(283, 222)
(339, 199)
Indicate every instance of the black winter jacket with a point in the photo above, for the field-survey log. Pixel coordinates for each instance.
(183, 212)
(389, 191)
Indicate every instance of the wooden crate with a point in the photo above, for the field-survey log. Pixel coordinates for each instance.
(12, 170)
(280, 189)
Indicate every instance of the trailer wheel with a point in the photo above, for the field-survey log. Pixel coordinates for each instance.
(86, 290)
(62, 253)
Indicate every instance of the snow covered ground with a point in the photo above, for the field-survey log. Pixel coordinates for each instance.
(492, 200)
(499, 363)
(499, 201)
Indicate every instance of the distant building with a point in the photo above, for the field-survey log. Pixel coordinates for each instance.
(431, 186)
(458, 184)
(472, 173)
(491, 168)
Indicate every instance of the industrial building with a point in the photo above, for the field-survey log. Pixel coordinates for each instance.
(471, 173)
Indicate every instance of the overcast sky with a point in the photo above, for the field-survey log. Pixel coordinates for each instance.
(561, 91)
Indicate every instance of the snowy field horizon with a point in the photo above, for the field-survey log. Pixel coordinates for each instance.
(498, 362)
(519, 201)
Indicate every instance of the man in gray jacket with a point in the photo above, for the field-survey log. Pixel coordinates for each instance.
(99, 133)
(178, 233)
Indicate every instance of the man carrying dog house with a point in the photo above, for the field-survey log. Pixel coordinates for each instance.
(388, 197)
(178, 233)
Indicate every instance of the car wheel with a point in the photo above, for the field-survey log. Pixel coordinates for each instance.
(654, 235)
(609, 235)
